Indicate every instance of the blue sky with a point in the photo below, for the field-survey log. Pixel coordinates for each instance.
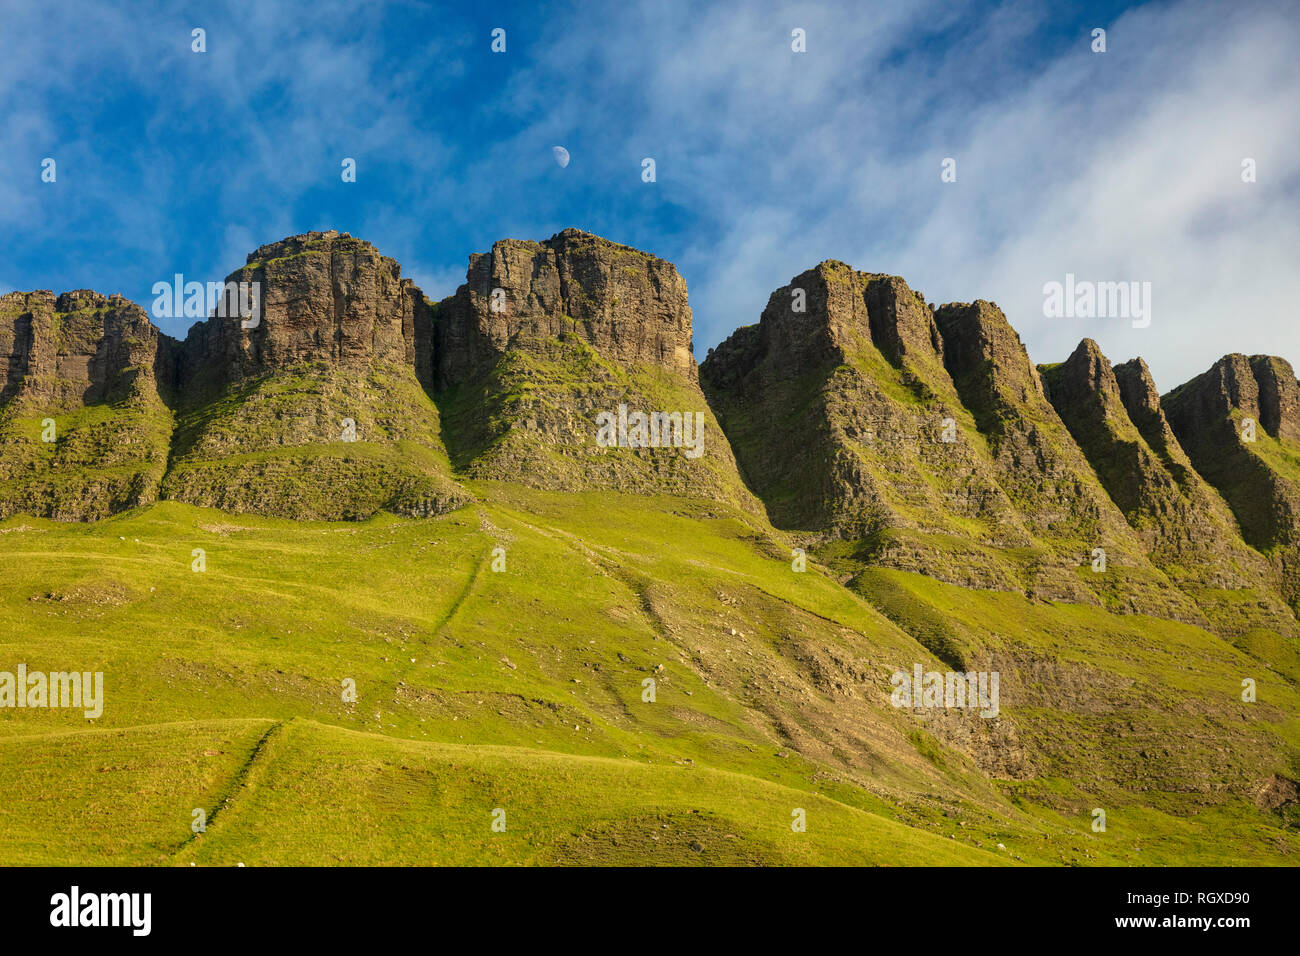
(1116, 166)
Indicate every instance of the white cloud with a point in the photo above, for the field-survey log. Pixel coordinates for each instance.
(1114, 166)
(1126, 165)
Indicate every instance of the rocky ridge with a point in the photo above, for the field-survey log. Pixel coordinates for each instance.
(884, 430)
(1185, 526)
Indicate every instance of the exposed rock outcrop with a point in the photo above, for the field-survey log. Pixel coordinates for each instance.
(325, 298)
(83, 429)
(837, 434)
(1184, 524)
(316, 409)
(1238, 424)
(1037, 461)
(858, 412)
(543, 338)
(322, 399)
(629, 306)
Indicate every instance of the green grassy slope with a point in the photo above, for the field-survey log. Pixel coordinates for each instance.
(276, 444)
(521, 689)
(532, 418)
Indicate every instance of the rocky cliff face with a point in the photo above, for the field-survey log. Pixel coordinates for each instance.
(1238, 425)
(987, 359)
(924, 437)
(629, 306)
(836, 404)
(545, 337)
(315, 410)
(325, 298)
(1185, 526)
(322, 400)
(1086, 394)
(76, 348)
(1045, 473)
(83, 429)
(1278, 396)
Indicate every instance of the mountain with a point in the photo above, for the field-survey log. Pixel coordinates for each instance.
(922, 438)
(1185, 526)
(543, 338)
(84, 427)
(454, 562)
(332, 405)
(317, 411)
(1240, 425)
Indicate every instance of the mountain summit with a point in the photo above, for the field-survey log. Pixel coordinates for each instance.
(545, 337)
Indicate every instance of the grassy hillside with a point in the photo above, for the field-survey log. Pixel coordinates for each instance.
(522, 689)
(533, 418)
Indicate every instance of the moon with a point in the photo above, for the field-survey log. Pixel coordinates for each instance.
(561, 155)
